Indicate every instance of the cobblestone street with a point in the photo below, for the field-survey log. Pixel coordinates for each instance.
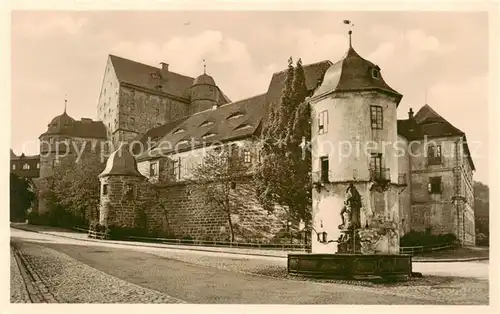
(48, 276)
(46, 268)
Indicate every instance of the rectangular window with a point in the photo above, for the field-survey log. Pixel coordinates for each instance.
(434, 186)
(132, 120)
(325, 170)
(104, 189)
(247, 156)
(376, 170)
(175, 169)
(376, 162)
(153, 169)
(434, 154)
(13, 167)
(376, 117)
(323, 122)
(38, 165)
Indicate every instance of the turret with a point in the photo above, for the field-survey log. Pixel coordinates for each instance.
(354, 135)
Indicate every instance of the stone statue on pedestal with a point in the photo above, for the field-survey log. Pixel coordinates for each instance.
(348, 241)
(350, 213)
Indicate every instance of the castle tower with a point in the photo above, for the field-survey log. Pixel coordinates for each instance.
(354, 157)
(204, 94)
(119, 189)
(53, 148)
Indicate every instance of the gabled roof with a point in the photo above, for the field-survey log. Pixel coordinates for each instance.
(433, 125)
(428, 122)
(149, 77)
(353, 73)
(252, 111)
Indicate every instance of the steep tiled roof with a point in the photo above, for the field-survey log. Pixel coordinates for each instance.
(148, 77)
(228, 122)
(353, 73)
(410, 129)
(428, 122)
(155, 134)
(12, 154)
(85, 128)
(434, 125)
(313, 73)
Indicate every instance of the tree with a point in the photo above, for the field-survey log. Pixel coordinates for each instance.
(283, 176)
(481, 212)
(21, 197)
(76, 187)
(217, 176)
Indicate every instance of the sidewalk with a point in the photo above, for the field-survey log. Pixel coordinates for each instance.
(64, 233)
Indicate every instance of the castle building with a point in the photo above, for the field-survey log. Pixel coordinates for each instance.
(25, 166)
(64, 139)
(135, 97)
(421, 181)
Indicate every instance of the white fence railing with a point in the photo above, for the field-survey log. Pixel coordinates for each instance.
(193, 242)
(260, 246)
(420, 249)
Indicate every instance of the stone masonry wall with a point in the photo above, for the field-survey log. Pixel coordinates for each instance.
(188, 214)
(140, 111)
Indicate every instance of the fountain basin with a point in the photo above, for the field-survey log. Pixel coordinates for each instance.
(350, 266)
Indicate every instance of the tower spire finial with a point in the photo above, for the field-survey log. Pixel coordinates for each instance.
(65, 102)
(425, 95)
(204, 67)
(348, 22)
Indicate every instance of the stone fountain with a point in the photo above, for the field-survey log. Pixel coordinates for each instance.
(369, 252)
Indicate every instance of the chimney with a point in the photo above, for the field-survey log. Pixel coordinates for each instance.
(164, 70)
(410, 114)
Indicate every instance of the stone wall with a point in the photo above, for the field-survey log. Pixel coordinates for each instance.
(189, 214)
(107, 106)
(116, 207)
(140, 110)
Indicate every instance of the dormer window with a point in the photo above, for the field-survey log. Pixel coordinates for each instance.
(243, 126)
(206, 123)
(178, 131)
(155, 75)
(235, 115)
(208, 135)
(375, 74)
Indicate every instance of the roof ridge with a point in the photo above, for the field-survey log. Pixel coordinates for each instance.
(305, 65)
(243, 99)
(148, 65)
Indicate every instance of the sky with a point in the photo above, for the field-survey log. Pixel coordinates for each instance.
(439, 58)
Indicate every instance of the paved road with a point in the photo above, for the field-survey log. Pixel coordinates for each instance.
(171, 276)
